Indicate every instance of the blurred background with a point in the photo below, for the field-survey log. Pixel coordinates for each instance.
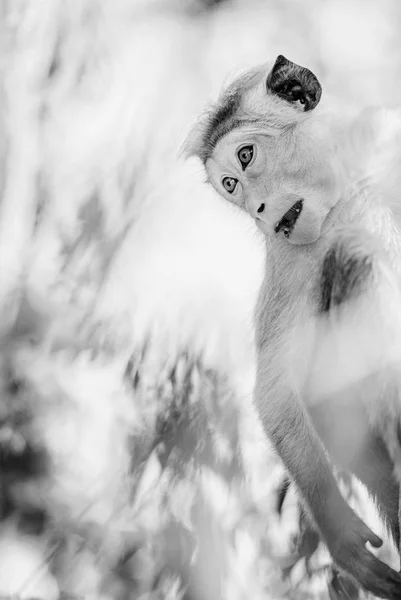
(138, 284)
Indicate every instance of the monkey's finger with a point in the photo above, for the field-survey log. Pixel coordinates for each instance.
(369, 536)
(375, 540)
(377, 577)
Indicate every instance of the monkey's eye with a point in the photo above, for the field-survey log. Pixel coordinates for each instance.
(245, 156)
(229, 184)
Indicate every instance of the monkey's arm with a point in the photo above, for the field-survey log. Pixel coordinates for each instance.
(289, 428)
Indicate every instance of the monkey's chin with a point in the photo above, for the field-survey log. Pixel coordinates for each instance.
(305, 234)
(308, 228)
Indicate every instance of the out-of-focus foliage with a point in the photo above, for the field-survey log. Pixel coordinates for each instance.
(134, 466)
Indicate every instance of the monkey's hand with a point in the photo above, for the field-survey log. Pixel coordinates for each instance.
(347, 547)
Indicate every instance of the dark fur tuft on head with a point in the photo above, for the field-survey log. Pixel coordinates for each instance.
(219, 120)
(212, 128)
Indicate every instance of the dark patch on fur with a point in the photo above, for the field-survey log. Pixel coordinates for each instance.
(343, 276)
(294, 83)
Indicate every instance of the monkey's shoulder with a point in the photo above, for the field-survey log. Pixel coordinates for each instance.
(285, 301)
(375, 138)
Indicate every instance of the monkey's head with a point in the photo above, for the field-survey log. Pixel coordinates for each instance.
(265, 148)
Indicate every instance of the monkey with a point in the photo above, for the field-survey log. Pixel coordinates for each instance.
(322, 185)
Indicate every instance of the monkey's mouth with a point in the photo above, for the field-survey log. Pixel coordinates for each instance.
(287, 223)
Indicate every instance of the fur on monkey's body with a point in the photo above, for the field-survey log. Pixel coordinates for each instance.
(328, 325)
(296, 346)
(328, 321)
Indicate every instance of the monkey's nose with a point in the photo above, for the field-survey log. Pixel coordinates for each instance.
(255, 208)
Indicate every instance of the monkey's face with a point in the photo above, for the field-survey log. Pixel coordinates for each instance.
(273, 158)
(284, 182)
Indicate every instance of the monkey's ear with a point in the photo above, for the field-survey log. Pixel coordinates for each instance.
(194, 143)
(294, 83)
